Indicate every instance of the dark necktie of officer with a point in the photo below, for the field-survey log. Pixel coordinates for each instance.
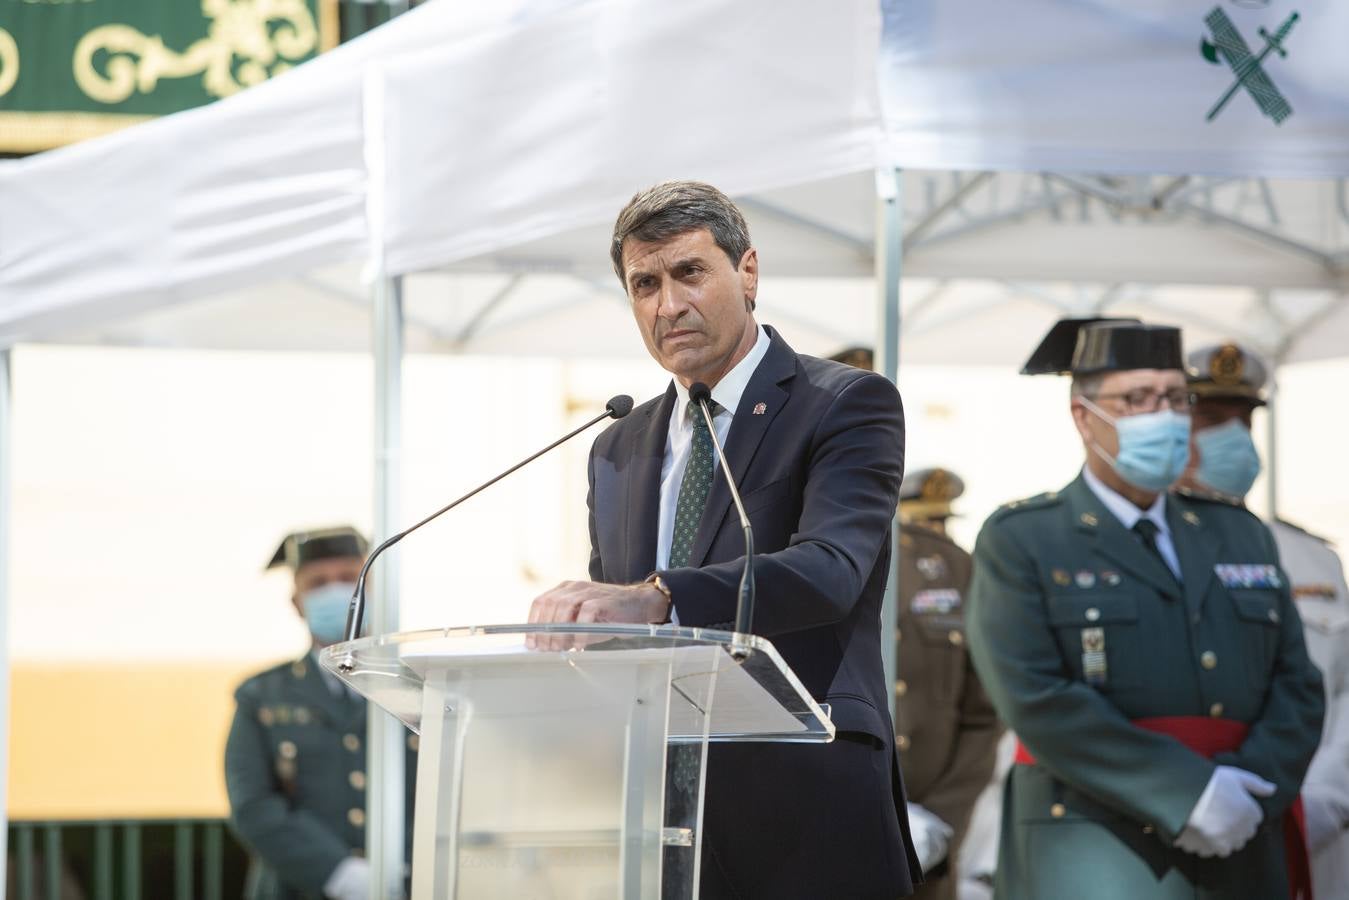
(693, 489)
(1147, 532)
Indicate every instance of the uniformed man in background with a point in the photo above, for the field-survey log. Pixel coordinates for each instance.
(295, 762)
(1229, 384)
(946, 731)
(1146, 651)
(945, 727)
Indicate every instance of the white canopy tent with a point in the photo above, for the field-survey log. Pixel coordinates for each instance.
(476, 151)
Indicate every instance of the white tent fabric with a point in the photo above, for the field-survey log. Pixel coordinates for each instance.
(538, 127)
(1111, 85)
(549, 107)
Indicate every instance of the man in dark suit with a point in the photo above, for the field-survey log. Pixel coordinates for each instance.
(817, 449)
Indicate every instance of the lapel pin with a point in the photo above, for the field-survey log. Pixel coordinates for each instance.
(1062, 578)
(760, 408)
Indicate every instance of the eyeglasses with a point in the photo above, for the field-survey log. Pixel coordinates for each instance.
(1143, 400)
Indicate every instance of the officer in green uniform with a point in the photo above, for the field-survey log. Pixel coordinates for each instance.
(1146, 652)
(945, 728)
(295, 765)
(1229, 385)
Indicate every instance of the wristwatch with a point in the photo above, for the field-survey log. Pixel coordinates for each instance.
(659, 584)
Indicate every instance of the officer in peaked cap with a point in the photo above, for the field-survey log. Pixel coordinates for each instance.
(1145, 649)
(1229, 384)
(295, 762)
(945, 728)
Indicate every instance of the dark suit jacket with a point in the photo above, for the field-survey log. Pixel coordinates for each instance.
(819, 471)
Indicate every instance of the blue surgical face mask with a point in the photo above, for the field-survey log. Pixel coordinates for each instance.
(1228, 462)
(1153, 447)
(325, 610)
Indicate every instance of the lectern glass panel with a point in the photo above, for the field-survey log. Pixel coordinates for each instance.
(574, 772)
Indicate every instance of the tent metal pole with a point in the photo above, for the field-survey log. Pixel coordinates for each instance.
(1272, 444)
(385, 736)
(6, 511)
(889, 263)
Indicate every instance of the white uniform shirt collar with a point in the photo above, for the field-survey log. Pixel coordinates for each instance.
(728, 391)
(1124, 509)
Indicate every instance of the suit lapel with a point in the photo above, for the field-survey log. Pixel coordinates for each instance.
(747, 433)
(1197, 548)
(640, 531)
(1109, 538)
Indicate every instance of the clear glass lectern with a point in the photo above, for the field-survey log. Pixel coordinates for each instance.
(567, 761)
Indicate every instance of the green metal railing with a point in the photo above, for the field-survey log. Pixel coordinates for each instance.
(125, 859)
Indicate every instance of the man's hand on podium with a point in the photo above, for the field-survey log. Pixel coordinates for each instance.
(586, 602)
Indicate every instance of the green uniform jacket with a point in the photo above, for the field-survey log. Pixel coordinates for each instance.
(295, 773)
(945, 728)
(1097, 815)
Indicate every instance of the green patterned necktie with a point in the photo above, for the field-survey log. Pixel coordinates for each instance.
(693, 489)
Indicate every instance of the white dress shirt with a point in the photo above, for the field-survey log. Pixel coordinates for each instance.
(679, 440)
(1128, 514)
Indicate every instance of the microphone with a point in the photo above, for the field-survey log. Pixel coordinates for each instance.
(616, 408)
(701, 394)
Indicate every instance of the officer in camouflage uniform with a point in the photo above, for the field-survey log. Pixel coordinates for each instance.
(1229, 382)
(945, 728)
(295, 760)
(1147, 653)
(946, 731)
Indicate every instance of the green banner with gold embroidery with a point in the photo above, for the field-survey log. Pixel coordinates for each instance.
(73, 69)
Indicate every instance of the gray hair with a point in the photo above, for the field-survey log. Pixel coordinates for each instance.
(677, 207)
(1088, 386)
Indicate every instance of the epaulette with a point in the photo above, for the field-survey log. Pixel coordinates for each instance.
(924, 533)
(1190, 493)
(1300, 530)
(267, 680)
(1039, 501)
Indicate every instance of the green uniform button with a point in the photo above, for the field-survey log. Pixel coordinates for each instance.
(351, 742)
(357, 779)
(1208, 659)
(1216, 710)
(901, 687)
(955, 637)
(902, 741)
(1093, 614)
(356, 817)
(1058, 810)
(287, 749)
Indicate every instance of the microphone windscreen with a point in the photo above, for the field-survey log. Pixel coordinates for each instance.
(619, 406)
(699, 392)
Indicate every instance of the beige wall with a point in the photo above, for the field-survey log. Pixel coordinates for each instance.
(111, 741)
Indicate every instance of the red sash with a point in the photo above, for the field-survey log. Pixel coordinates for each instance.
(1208, 737)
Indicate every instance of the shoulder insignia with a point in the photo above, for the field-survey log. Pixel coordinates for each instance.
(1300, 530)
(1039, 501)
(1190, 516)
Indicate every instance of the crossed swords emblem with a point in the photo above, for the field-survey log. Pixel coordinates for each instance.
(1231, 46)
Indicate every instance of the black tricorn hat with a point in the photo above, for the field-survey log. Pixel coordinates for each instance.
(302, 547)
(1089, 346)
(1054, 356)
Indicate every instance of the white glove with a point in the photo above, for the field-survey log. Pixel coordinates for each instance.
(931, 836)
(349, 881)
(1226, 816)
